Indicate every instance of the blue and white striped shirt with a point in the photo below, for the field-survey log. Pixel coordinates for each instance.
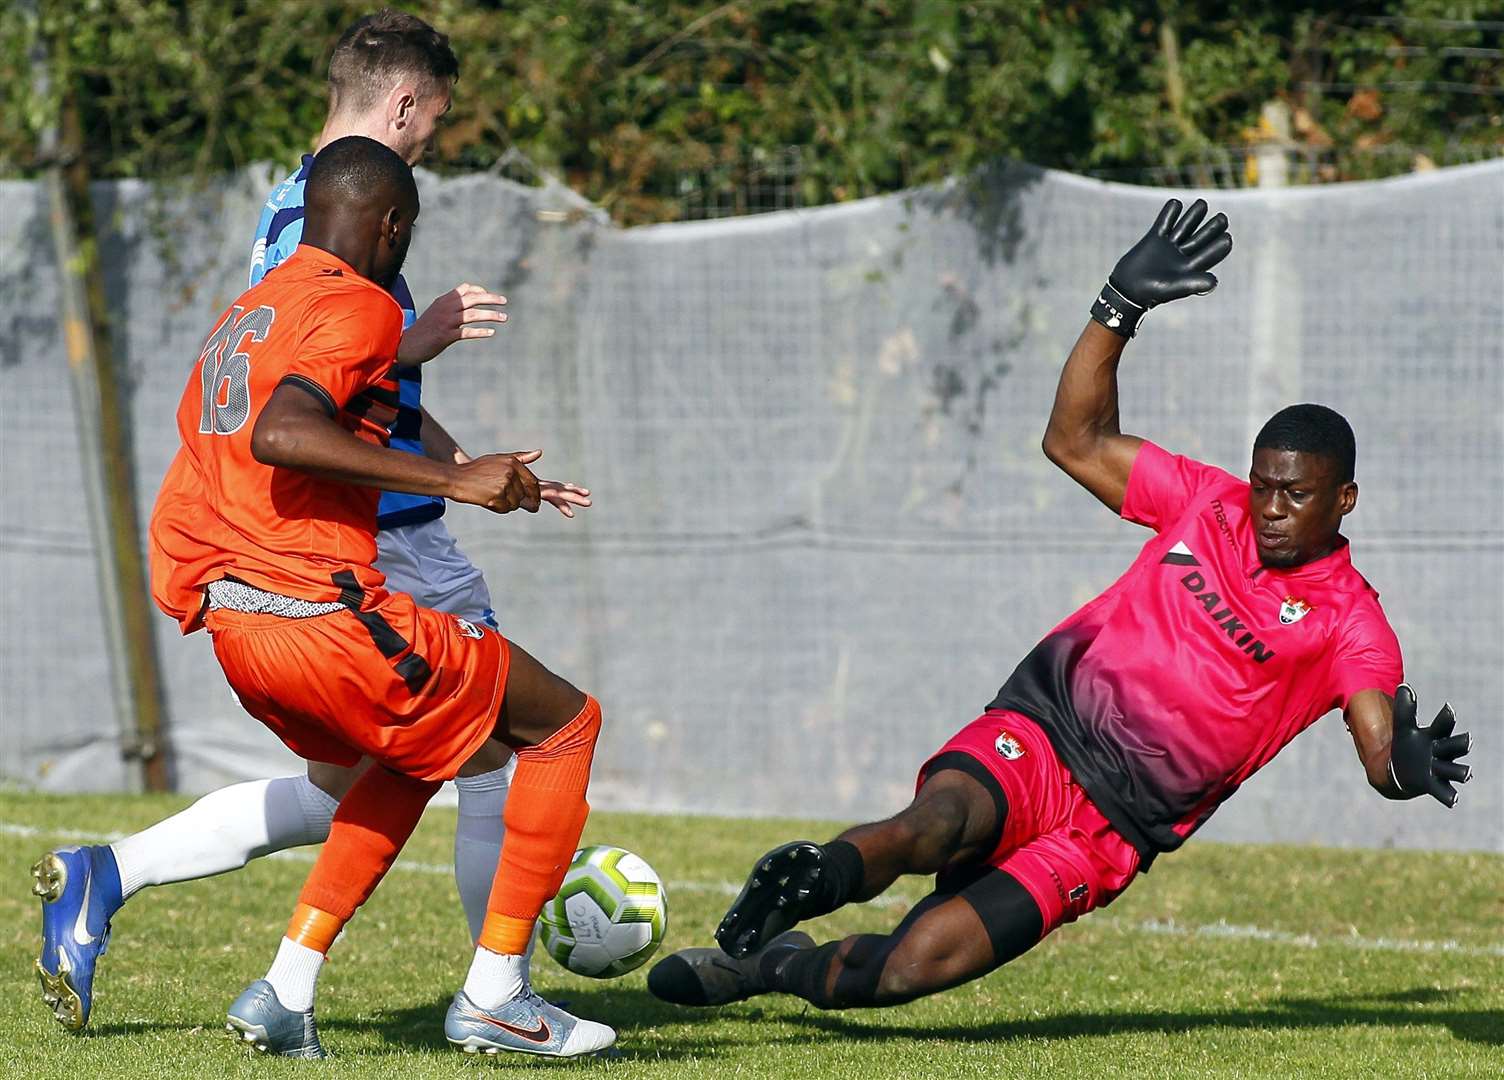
(277, 236)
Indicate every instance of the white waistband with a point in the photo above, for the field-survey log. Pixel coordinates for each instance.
(238, 596)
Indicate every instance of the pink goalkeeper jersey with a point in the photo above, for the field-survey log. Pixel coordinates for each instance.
(1199, 664)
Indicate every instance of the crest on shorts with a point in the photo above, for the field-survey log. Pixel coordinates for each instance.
(1293, 610)
(1008, 746)
(469, 629)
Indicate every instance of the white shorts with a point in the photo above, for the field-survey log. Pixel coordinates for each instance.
(423, 561)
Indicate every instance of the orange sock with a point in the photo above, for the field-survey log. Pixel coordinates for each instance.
(372, 823)
(545, 815)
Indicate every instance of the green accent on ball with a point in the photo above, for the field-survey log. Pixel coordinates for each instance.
(598, 854)
(635, 913)
(595, 872)
(556, 941)
(591, 888)
(606, 859)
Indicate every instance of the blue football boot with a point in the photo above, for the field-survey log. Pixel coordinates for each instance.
(80, 891)
(527, 1024)
(260, 1019)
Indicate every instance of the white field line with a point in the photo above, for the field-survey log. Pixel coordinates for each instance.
(727, 888)
(1224, 929)
(1164, 927)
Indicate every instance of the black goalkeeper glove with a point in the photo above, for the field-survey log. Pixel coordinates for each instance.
(1170, 262)
(1423, 761)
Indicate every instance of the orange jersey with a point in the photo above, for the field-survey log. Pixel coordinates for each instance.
(315, 324)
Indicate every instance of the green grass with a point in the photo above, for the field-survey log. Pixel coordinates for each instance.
(1340, 990)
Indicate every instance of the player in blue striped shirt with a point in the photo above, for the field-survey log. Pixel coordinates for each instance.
(390, 79)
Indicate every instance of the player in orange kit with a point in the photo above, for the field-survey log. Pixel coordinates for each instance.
(263, 533)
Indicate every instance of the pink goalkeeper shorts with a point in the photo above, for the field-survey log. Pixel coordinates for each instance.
(1055, 842)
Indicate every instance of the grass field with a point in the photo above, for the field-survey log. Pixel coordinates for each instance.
(1225, 961)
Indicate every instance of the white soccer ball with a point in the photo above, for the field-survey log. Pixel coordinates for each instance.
(610, 914)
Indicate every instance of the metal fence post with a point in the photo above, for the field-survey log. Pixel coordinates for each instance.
(104, 435)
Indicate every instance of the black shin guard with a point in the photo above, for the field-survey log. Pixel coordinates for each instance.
(862, 971)
(801, 972)
(806, 973)
(1009, 914)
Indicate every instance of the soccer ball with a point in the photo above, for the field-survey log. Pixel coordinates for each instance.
(609, 916)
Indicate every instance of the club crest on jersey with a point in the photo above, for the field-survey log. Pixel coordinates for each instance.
(469, 629)
(1008, 746)
(1293, 610)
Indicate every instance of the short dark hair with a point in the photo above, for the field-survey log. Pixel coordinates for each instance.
(1312, 429)
(381, 47)
(357, 171)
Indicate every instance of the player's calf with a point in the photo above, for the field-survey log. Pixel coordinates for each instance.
(873, 970)
(545, 814)
(976, 921)
(923, 961)
(952, 820)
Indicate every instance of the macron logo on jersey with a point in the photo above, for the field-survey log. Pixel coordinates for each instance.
(1195, 583)
(1180, 555)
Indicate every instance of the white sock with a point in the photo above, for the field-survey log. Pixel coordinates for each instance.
(477, 838)
(224, 830)
(495, 978)
(294, 973)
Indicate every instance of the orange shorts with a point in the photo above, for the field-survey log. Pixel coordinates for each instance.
(413, 688)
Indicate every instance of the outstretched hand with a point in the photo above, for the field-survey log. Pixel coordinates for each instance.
(563, 497)
(499, 482)
(1173, 260)
(1423, 761)
(463, 313)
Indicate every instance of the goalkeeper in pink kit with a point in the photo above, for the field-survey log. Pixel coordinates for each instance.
(1240, 623)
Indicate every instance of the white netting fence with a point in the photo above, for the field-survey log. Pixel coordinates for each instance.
(824, 531)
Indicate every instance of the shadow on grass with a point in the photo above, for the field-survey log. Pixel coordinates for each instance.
(421, 1027)
(1307, 1013)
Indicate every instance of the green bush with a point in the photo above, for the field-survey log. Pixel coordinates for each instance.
(635, 102)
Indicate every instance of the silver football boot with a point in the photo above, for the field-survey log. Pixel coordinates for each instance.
(527, 1024)
(260, 1019)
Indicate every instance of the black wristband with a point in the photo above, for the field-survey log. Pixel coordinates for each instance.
(1116, 312)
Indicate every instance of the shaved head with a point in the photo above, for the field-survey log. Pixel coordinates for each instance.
(357, 171)
(360, 200)
(1301, 484)
(1312, 429)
